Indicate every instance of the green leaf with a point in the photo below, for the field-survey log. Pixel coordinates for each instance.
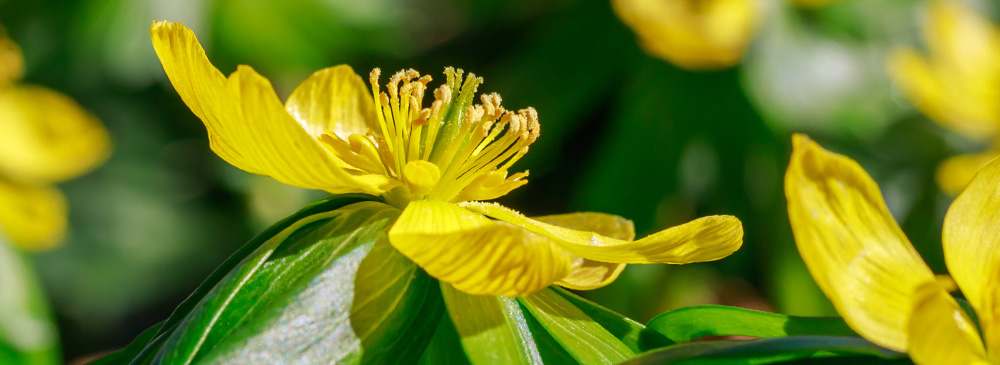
(330, 203)
(692, 322)
(27, 333)
(492, 329)
(132, 350)
(324, 285)
(634, 335)
(290, 296)
(443, 348)
(765, 351)
(397, 306)
(583, 338)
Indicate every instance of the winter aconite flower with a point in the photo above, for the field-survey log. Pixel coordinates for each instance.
(692, 34)
(45, 138)
(957, 84)
(876, 280)
(434, 161)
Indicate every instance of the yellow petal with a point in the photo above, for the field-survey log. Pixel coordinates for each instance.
(705, 34)
(918, 82)
(956, 85)
(971, 237)
(199, 84)
(247, 124)
(851, 244)
(46, 136)
(279, 146)
(474, 254)
(989, 313)
(939, 331)
(589, 274)
(703, 239)
(962, 38)
(33, 217)
(11, 61)
(333, 99)
(955, 173)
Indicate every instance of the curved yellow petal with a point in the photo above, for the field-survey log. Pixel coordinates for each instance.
(200, 85)
(46, 136)
(474, 254)
(33, 217)
(589, 274)
(971, 237)
(851, 244)
(278, 146)
(247, 124)
(939, 331)
(703, 239)
(11, 60)
(955, 173)
(333, 99)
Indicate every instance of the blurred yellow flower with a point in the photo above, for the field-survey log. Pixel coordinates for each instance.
(45, 137)
(334, 134)
(957, 84)
(876, 280)
(692, 34)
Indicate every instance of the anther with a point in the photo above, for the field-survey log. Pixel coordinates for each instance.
(443, 94)
(473, 114)
(374, 75)
(393, 85)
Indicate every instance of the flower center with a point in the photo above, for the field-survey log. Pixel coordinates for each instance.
(452, 151)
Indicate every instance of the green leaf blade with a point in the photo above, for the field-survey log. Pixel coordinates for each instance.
(688, 323)
(397, 306)
(492, 329)
(182, 311)
(767, 351)
(583, 338)
(634, 335)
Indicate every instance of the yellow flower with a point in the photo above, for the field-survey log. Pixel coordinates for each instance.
(692, 34)
(876, 280)
(45, 137)
(432, 162)
(957, 84)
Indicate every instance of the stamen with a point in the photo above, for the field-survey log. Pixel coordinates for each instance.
(453, 149)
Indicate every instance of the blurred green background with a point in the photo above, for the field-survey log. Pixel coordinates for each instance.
(623, 133)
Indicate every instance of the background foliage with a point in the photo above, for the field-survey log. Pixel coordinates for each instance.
(623, 133)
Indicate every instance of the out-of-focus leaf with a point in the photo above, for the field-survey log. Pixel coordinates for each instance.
(582, 337)
(568, 78)
(765, 351)
(27, 334)
(637, 337)
(803, 79)
(133, 349)
(492, 329)
(718, 320)
(289, 298)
